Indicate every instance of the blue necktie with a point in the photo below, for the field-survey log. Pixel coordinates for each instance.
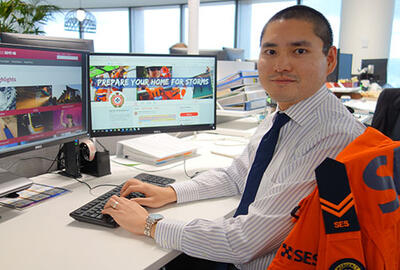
(263, 157)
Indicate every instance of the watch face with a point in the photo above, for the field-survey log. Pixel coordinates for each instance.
(156, 216)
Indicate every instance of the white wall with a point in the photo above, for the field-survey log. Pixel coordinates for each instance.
(366, 28)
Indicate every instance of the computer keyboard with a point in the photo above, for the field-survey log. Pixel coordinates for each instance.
(91, 212)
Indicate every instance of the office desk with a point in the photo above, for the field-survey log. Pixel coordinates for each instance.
(362, 105)
(363, 109)
(45, 237)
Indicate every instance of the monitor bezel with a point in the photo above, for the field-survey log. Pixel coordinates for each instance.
(76, 44)
(67, 138)
(381, 63)
(152, 130)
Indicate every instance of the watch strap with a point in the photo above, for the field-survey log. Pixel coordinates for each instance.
(150, 221)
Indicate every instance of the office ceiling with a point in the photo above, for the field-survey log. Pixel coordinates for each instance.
(116, 3)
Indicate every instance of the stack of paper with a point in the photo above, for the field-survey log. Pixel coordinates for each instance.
(155, 149)
(241, 91)
(240, 78)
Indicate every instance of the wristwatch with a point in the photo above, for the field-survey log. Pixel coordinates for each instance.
(150, 221)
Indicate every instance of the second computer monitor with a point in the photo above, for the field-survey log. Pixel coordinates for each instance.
(345, 66)
(143, 93)
(380, 69)
(42, 97)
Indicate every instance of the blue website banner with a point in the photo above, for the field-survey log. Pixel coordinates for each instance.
(151, 82)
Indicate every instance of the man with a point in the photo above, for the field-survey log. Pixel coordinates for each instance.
(70, 121)
(295, 58)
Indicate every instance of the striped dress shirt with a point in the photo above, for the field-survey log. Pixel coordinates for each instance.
(320, 127)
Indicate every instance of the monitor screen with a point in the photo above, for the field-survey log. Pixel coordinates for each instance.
(380, 69)
(219, 53)
(345, 63)
(139, 93)
(42, 97)
(47, 41)
(343, 67)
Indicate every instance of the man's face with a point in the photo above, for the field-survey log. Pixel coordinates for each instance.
(292, 66)
(154, 73)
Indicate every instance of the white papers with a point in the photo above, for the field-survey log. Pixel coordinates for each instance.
(362, 105)
(155, 149)
(345, 89)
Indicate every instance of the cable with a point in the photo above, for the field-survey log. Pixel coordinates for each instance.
(184, 169)
(24, 159)
(59, 158)
(105, 185)
(83, 182)
(160, 170)
(56, 159)
(216, 140)
(134, 166)
(97, 140)
(163, 169)
(143, 170)
(101, 185)
(186, 173)
(230, 144)
(94, 187)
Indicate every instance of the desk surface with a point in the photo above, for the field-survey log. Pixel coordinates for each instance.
(362, 105)
(44, 236)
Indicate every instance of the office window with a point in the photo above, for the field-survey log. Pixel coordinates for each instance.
(112, 33)
(216, 25)
(331, 9)
(393, 72)
(55, 26)
(112, 30)
(155, 29)
(260, 13)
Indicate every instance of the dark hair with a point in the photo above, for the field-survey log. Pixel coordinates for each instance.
(322, 28)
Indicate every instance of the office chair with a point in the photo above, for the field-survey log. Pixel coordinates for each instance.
(386, 118)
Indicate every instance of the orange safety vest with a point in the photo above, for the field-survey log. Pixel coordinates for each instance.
(352, 218)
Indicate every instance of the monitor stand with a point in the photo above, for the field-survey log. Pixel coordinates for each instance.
(11, 183)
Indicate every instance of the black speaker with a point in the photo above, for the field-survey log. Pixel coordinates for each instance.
(99, 166)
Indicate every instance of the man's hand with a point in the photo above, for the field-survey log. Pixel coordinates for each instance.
(128, 214)
(155, 196)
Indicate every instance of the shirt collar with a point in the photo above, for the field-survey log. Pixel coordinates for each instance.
(302, 110)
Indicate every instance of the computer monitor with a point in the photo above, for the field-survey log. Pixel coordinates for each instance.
(149, 93)
(334, 75)
(380, 70)
(47, 41)
(42, 97)
(219, 54)
(233, 54)
(345, 65)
